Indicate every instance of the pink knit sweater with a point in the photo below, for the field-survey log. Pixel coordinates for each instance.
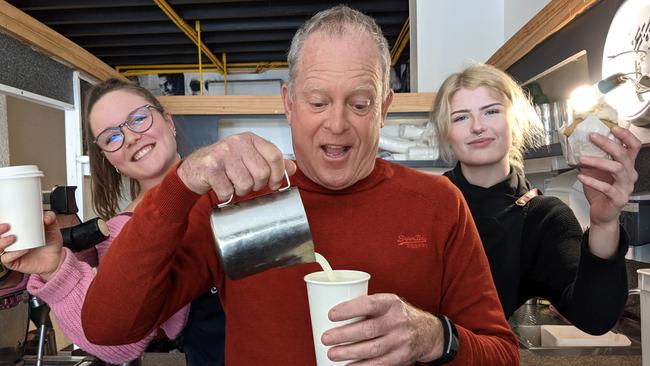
(66, 291)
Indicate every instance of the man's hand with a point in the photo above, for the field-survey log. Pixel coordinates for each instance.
(392, 333)
(44, 261)
(238, 164)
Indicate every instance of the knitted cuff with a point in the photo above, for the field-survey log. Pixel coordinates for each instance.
(62, 283)
(623, 243)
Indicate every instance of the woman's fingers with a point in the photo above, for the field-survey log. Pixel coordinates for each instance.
(617, 197)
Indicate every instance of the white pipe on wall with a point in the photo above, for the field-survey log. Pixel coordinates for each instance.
(4, 132)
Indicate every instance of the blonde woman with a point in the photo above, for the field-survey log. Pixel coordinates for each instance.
(534, 244)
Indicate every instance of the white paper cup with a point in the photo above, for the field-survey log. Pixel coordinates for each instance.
(323, 295)
(21, 205)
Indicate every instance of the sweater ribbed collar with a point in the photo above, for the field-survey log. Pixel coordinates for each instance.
(382, 171)
(514, 185)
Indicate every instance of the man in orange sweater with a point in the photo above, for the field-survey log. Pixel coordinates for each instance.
(432, 299)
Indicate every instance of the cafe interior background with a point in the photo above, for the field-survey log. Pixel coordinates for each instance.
(218, 67)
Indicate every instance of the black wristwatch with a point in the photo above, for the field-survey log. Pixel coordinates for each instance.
(451, 342)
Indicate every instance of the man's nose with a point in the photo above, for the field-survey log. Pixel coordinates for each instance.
(337, 121)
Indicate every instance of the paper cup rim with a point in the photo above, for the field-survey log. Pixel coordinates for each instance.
(20, 171)
(365, 277)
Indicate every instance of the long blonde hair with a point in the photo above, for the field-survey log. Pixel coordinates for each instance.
(521, 116)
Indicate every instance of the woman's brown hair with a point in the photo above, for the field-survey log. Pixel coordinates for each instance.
(106, 183)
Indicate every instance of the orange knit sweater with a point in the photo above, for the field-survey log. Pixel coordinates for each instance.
(411, 231)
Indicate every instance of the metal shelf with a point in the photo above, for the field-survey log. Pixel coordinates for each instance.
(544, 152)
(423, 163)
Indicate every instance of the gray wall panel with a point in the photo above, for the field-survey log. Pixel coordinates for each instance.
(23, 68)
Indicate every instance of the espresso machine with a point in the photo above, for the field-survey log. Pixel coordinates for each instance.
(18, 347)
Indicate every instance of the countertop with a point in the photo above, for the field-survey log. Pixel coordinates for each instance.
(527, 359)
(163, 359)
(530, 359)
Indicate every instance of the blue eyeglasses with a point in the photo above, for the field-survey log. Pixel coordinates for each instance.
(138, 121)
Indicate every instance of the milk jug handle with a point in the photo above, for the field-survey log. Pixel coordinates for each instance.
(286, 177)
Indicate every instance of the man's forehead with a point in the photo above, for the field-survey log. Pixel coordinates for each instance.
(363, 86)
(321, 49)
(323, 38)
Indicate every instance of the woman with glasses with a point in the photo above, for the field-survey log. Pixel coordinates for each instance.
(131, 136)
(535, 245)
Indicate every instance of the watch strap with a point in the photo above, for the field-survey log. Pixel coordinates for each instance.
(450, 345)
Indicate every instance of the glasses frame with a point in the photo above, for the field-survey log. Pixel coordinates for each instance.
(127, 124)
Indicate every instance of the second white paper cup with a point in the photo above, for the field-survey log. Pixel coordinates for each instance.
(21, 205)
(323, 295)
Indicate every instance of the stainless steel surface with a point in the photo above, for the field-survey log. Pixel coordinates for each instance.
(41, 345)
(526, 323)
(548, 114)
(14, 321)
(262, 233)
(640, 253)
(635, 219)
(35, 302)
(62, 360)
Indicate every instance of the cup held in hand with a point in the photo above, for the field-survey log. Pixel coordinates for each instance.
(323, 295)
(21, 205)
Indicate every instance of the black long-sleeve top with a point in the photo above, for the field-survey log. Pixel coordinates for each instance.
(539, 250)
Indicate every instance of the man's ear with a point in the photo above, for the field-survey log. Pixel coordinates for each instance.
(385, 106)
(287, 103)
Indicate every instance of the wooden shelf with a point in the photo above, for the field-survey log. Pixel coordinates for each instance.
(270, 105)
(552, 18)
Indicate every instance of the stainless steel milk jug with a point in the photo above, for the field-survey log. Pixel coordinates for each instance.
(262, 232)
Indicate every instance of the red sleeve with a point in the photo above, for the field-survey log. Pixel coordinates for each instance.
(470, 299)
(163, 259)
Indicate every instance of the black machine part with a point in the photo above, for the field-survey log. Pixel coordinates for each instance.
(85, 235)
(61, 200)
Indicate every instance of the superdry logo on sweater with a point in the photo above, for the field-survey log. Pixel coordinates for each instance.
(412, 242)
